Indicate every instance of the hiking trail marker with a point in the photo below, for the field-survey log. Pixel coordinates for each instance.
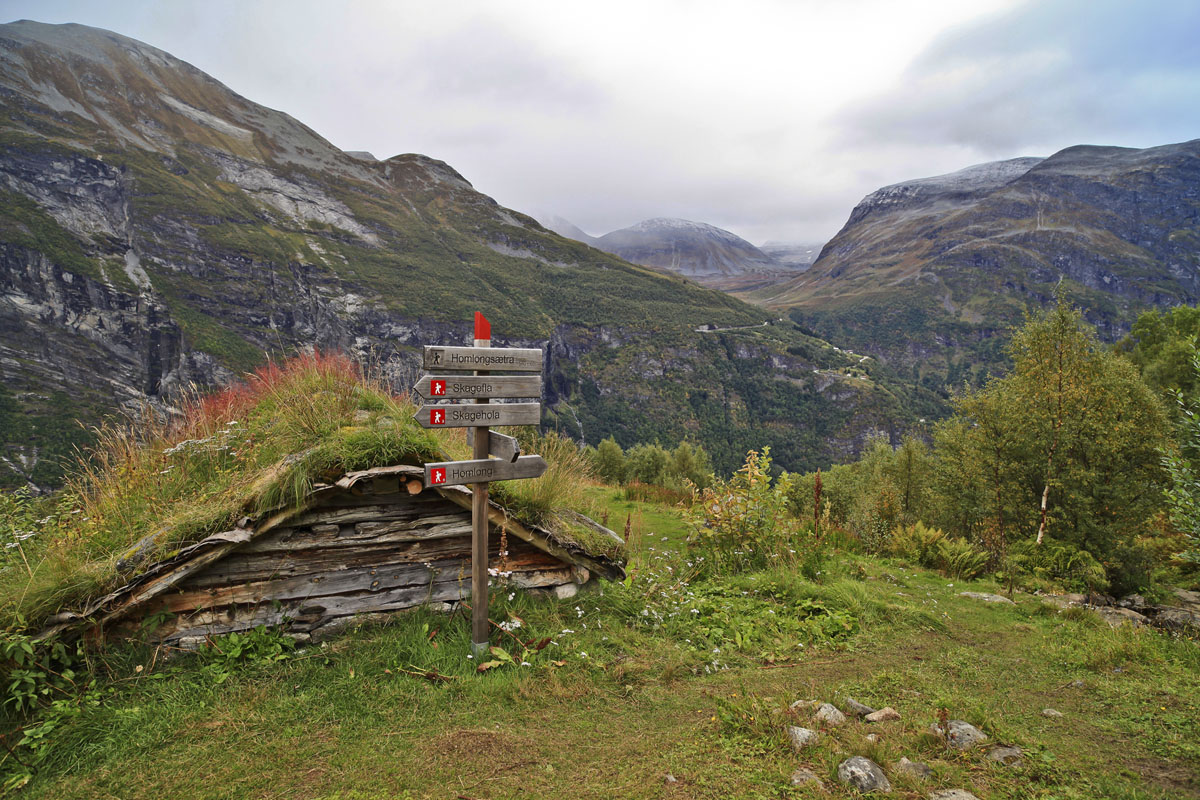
(477, 418)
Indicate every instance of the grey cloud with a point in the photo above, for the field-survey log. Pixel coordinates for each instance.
(1049, 74)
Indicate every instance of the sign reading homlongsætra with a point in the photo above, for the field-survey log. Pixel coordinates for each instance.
(507, 359)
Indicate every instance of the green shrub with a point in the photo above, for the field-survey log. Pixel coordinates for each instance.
(743, 523)
(1060, 562)
(960, 559)
(919, 544)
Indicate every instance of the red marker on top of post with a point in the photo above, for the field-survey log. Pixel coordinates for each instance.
(483, 328)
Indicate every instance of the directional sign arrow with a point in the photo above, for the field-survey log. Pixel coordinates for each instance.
(478, 415)
(502, 359)
(453, 387)
(456, 473)
(505, 448)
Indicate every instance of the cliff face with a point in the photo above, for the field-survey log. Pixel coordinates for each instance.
(935, 266)
(159, 230)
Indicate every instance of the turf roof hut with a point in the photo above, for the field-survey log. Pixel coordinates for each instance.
(366, 539)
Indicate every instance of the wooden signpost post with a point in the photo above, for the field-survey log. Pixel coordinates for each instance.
(478, 418)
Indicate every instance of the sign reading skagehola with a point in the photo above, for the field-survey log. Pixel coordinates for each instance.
(479, 415)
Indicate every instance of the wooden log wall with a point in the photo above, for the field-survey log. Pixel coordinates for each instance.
(358, 553)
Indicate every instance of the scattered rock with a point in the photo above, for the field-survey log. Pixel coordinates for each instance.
(670, 778)
(855, 708)
(872, 737)
(801, 737)
(830, 715)
(1190, 600)
(917, 769)
(1050, 712)
(803, 705)
(803, 777)
(986, 597)
(1117, 617)
(960, 735)
(952, 794)
(1177, 619)
(1075, 599)
(1004, 754)
(1097, 599)
(1078, 683)
(886, 714)
(863, 774)
(1134, 601)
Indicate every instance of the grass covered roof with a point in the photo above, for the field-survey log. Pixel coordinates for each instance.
(250, 448)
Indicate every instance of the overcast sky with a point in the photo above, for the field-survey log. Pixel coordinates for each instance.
(765, 117)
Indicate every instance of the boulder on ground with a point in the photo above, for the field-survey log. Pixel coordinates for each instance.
(1177, 619)
(804, 777)
(1007, 755)
(863, 774)
(959, 734)
(886, 714)
(856, 709)
(1116, 617)
(1052, 712)
(829, 715)
(801, 738)
(987, 597)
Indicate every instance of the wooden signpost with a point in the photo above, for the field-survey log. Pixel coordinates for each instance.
(477, 418)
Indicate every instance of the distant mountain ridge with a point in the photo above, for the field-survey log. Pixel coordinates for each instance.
(705, 253)
(158, 230)
(933, 271)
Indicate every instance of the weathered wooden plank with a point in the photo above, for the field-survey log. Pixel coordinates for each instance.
(501, 446)
(313, 612)
(337, 515)
(359, 577)
(356, 534)
(478, 415)
(243, 567)
(499, 359)
(462, 387)
(483, 470)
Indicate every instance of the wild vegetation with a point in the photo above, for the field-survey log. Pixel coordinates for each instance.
(849, 577)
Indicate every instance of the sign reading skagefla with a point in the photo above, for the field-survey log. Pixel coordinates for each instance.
(459, 387)
(499, 359)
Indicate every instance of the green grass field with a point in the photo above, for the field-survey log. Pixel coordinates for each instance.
(658, 676)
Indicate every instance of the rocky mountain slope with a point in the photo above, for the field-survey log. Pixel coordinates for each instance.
(935, 270)
(157, 230)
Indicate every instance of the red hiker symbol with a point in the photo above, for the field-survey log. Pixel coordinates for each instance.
(437, 416)
(437, 388)
(438, 476)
